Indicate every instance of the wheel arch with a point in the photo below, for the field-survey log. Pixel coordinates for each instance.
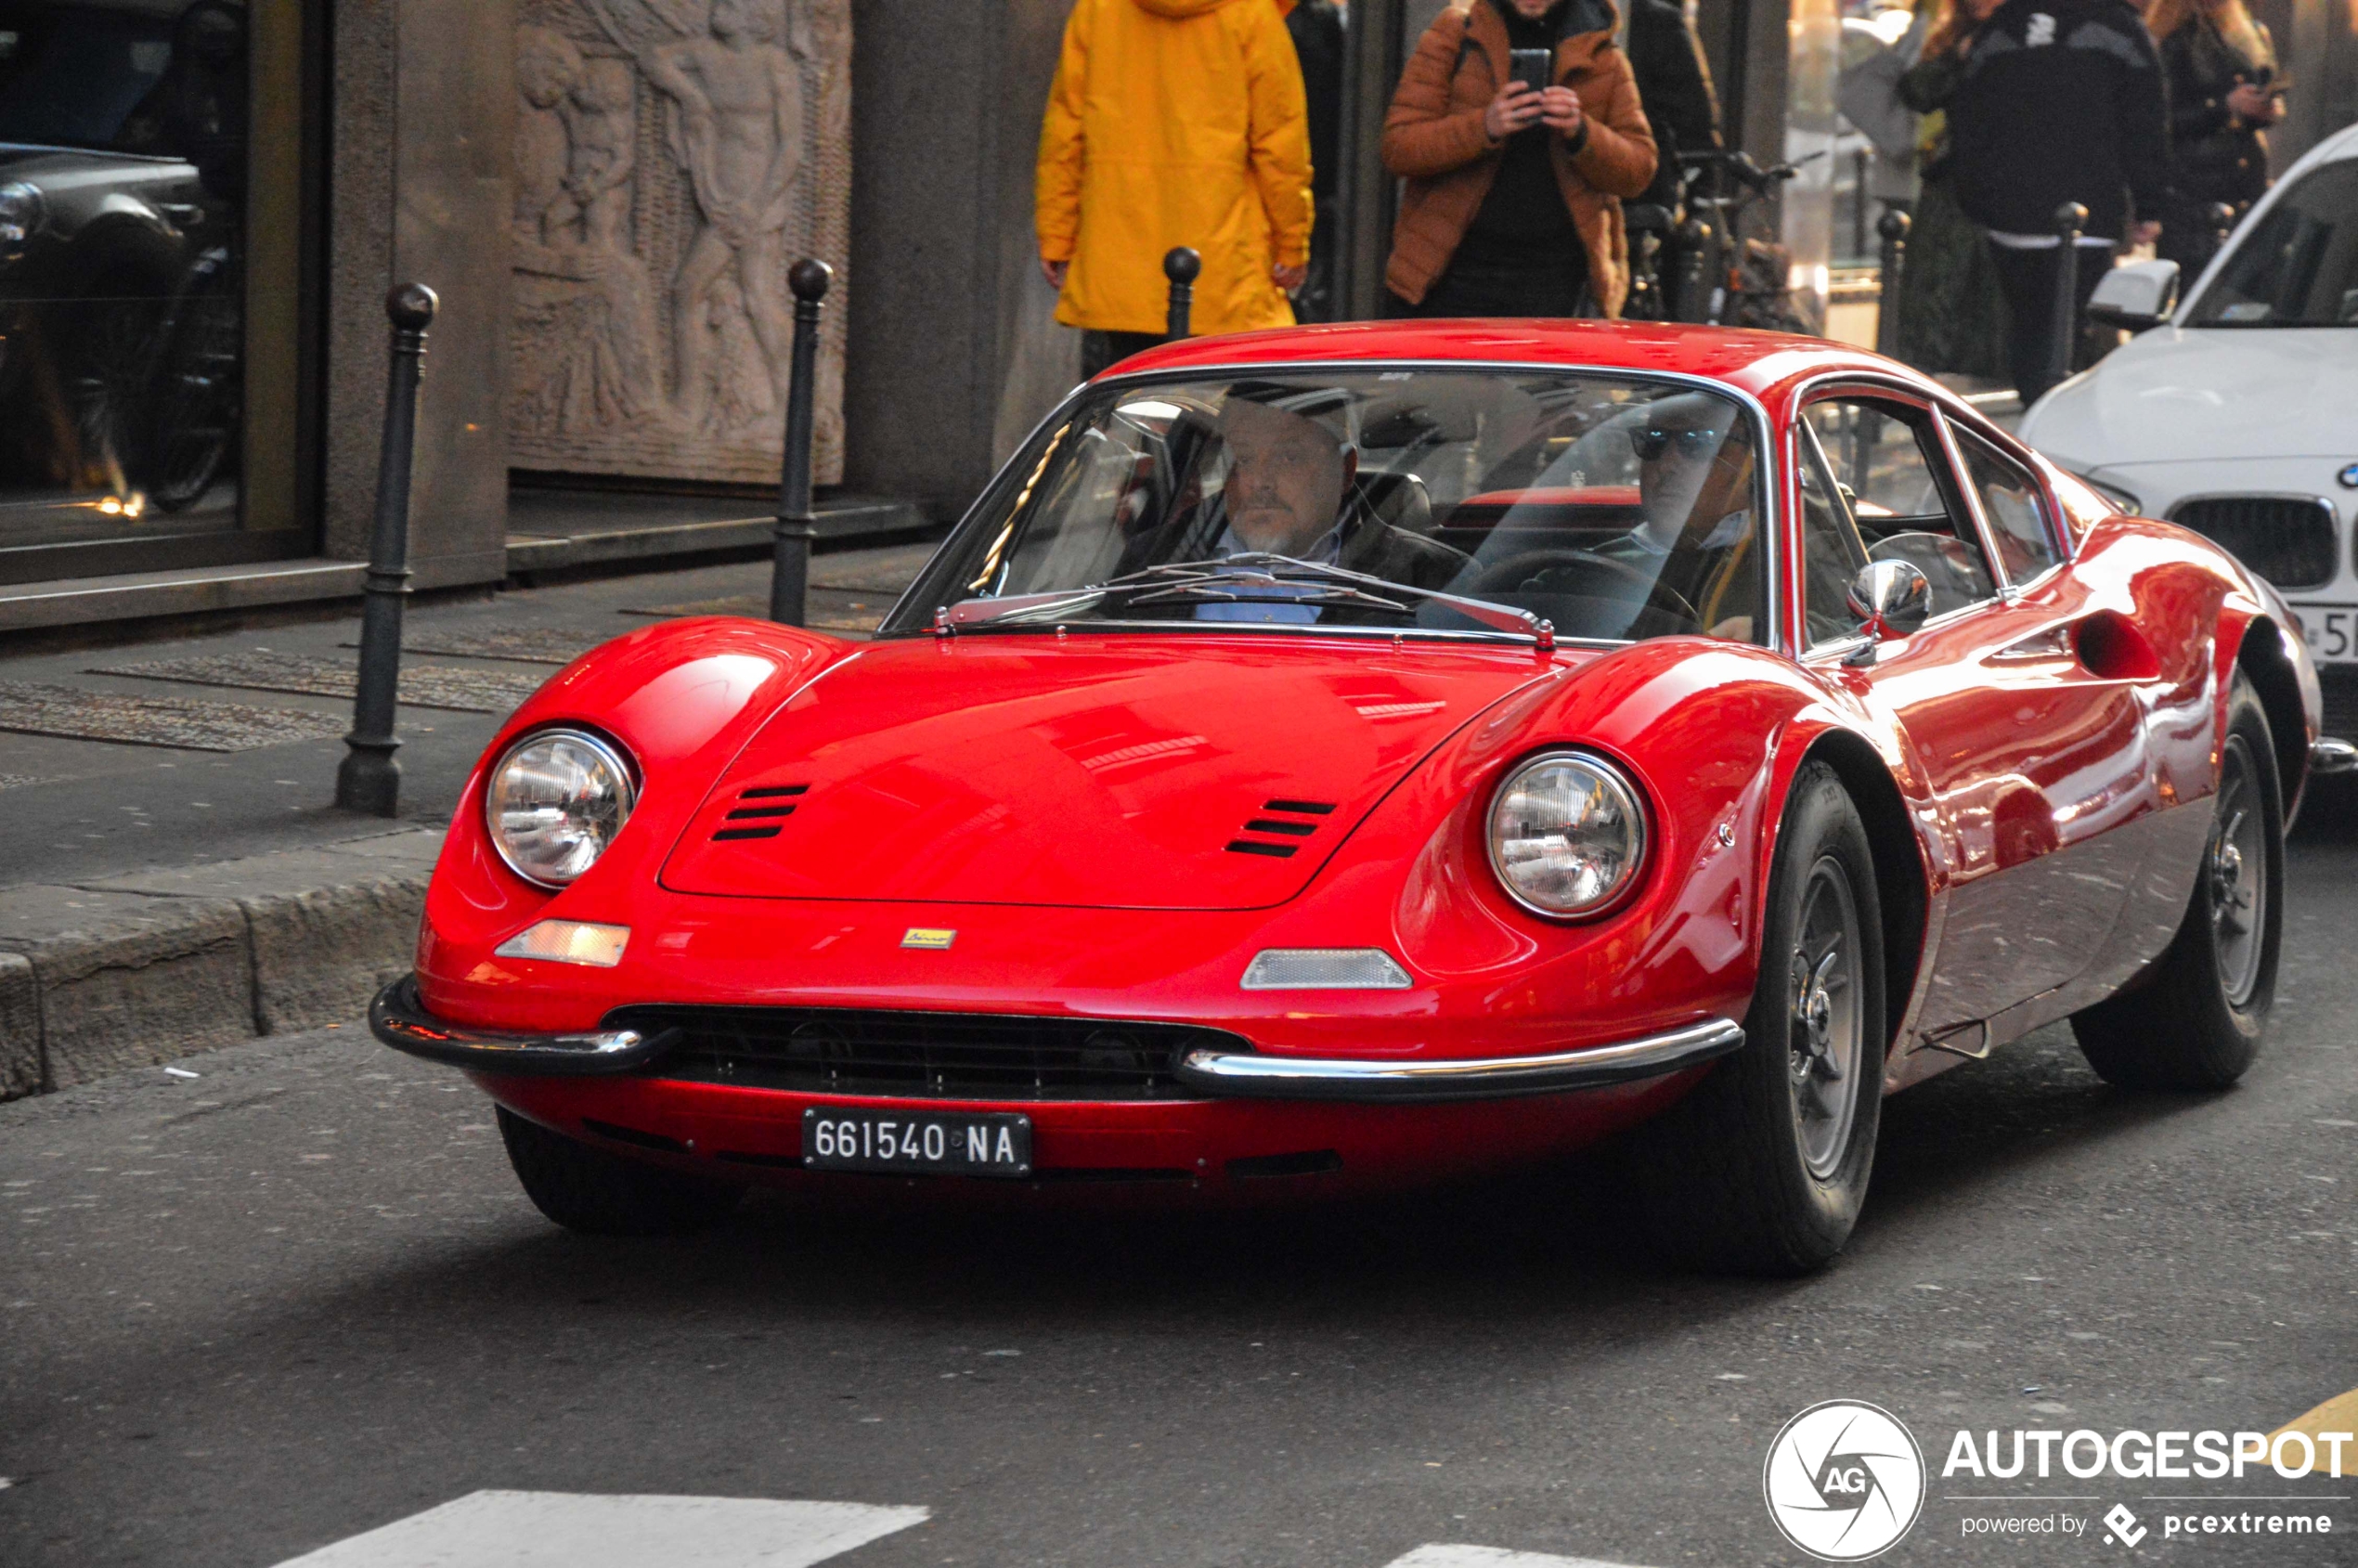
(2262, 659)
(1901, 885)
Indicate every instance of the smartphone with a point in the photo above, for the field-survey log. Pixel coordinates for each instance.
(1533, 68)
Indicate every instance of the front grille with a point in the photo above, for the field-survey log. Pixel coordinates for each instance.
(2287, 540)
(922, 1056)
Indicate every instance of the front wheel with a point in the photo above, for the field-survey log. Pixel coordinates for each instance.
(600, 1194)
(1763, 1167)
(2197, 1020)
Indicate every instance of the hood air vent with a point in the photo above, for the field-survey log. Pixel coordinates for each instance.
(760, 804)
(1288, 820)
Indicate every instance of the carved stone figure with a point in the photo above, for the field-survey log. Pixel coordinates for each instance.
(673, 159)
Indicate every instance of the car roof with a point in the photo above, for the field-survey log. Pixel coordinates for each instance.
(2332, 150)
(1764, 364)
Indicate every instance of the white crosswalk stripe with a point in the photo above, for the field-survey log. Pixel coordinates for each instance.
(573, 1530)
(494, 1529)
(1490, 1557)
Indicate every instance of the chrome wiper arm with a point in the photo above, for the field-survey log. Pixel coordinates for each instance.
(1018, 607)
(1260, 587)
(1025, 607)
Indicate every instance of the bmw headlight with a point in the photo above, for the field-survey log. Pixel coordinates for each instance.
(2122, 499)
(21, 211)
(1567, 834)
(555, 802)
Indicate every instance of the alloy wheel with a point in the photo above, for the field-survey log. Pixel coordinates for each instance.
(2236, 864)
(1826, 1035)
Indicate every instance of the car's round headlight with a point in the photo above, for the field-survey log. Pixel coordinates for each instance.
(554, 802)
(2125, 499)
(1567, 833)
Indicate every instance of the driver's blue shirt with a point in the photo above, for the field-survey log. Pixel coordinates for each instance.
(1326, 551)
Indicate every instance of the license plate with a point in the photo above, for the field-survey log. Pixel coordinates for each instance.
(919, 1143)
(2332, 631)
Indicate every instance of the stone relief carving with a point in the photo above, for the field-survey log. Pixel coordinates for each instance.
(673, 158)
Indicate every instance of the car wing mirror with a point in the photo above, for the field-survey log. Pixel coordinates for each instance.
(2136, 297)
(1890, 598)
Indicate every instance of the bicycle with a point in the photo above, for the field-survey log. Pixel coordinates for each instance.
(1748, 275)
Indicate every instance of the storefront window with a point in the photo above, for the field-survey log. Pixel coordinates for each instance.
(123, 130)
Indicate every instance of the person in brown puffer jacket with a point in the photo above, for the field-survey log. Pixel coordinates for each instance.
(1513, 198)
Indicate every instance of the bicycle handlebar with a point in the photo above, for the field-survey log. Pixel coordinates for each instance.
(1740, 165)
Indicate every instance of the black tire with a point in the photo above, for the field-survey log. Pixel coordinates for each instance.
(600, 1194)
(2196, 1019)
(193, 410)
(1728, 1174)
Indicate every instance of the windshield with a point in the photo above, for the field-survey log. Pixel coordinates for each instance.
(1612, 507)
(2299, 267)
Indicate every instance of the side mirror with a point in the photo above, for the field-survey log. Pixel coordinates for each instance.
(1890, 599)
(2136, 297)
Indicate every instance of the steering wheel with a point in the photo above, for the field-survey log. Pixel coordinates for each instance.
(1509, 575)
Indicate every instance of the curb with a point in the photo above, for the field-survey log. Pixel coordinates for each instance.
(134, 971)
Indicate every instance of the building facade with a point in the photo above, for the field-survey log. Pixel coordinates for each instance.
(202, 204)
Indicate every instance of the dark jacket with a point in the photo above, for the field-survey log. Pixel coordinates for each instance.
(2059, 101)
(2215, 158)
(1674, 87)
(1317, 29)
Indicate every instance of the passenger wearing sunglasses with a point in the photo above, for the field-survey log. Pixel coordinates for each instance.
(1692, 478)
(1694, 538)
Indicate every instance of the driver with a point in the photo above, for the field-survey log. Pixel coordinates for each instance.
(1291, 491)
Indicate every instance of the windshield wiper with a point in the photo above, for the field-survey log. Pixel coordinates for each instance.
(1233, 579)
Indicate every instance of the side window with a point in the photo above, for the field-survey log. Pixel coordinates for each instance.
(1830, 552)
(1893, 471)
(2010, 499)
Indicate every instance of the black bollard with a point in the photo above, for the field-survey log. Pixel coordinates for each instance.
(2222, 224)
(2071, 218)
(790, 562)
(1892, 228)
(1692, 297)
(1181, 266)
(368, 779)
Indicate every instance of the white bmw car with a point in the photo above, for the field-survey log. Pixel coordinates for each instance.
(2236, 414)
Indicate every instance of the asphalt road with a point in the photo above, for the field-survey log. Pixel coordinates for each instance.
(297, 1298)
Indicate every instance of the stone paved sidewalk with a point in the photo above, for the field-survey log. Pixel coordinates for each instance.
(173, 876)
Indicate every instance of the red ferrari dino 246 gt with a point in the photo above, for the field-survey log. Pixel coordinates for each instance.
(1345, 753)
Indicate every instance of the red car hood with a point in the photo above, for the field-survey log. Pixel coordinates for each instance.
(1192, 772)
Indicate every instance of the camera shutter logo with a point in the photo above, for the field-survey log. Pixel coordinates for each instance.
(1845, 1481)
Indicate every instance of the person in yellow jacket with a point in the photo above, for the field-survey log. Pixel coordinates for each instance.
(1173, 123)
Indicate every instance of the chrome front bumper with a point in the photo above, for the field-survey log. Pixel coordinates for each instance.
(398, 1018)
(1396, 1083)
